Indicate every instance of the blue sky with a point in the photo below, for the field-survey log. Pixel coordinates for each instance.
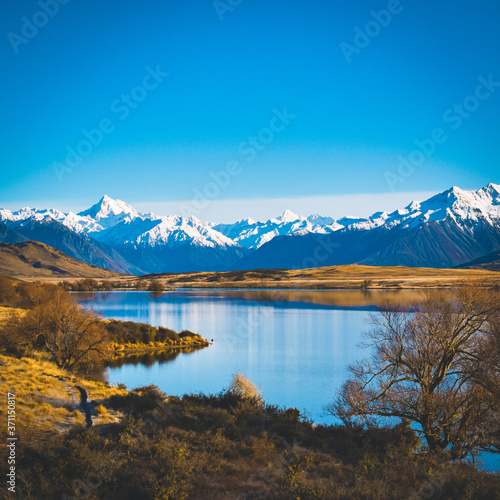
(265, 102)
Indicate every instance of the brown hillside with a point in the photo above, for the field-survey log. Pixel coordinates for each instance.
(32, 259)
(490, 261)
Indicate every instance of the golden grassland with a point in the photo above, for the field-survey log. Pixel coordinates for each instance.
(6, 312)
(143, 444)
(141, 347)
(331, 277)
(35, 260)
(47, 402)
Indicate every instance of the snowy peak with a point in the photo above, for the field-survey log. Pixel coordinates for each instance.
(5, 215)
(107, 207)
(171, 231)
(246, 222)
(118, 224)
(320, 220)
(466, 205)
(108, 213)
(494, 189)
(253, 235)
(288, 216)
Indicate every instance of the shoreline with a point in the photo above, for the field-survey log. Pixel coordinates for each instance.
(348, 277)
(119, 353)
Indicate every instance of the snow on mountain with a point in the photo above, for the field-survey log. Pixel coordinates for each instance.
(465, 208)
(71, 220)
(5, 215)
(235, 230)
(320, 220)
(287, 216)
(457, 204)
(103, 215)
(253, 235)
(172, 231)
(108, 212)
(116, 223)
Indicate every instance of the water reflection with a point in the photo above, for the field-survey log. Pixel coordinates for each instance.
(339, 298)
(296, 345)
(150, 358)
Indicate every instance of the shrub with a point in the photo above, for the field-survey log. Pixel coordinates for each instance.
(101, 410)
(156, 286)
(186, 333)
(242, 386)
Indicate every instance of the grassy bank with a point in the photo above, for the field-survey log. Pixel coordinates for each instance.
(144, 444)
(140, 347)
(149, 445)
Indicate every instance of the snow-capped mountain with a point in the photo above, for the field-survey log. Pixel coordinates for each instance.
(108, 213)
(448, 229)
(115, 222)
(465, 208)
(75, 222)
(456, 203)
(171, 231)
(148, 242)
(253, 235)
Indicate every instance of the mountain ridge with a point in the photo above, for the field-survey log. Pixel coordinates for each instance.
(446, 230)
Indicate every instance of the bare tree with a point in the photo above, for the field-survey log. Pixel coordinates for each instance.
(424, 369)
(71, 335)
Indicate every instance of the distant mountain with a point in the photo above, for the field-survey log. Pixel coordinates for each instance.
(108, 213)
(113, 235)
(33, 259)
(77, 245)
(163, 244)
(8, 235)
(490, 261)
(447, 230)
(253, 235)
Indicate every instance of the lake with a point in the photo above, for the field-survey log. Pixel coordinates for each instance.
(296, 346)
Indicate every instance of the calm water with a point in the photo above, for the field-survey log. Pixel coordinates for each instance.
(295, 346)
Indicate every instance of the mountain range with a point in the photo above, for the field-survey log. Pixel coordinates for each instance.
(449, 229)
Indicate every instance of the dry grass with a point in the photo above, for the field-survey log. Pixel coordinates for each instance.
(32, 259)
(331, 277)
(46, 400)
(350, 277)
(5, 312)
(101, 410)
(141, 347)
